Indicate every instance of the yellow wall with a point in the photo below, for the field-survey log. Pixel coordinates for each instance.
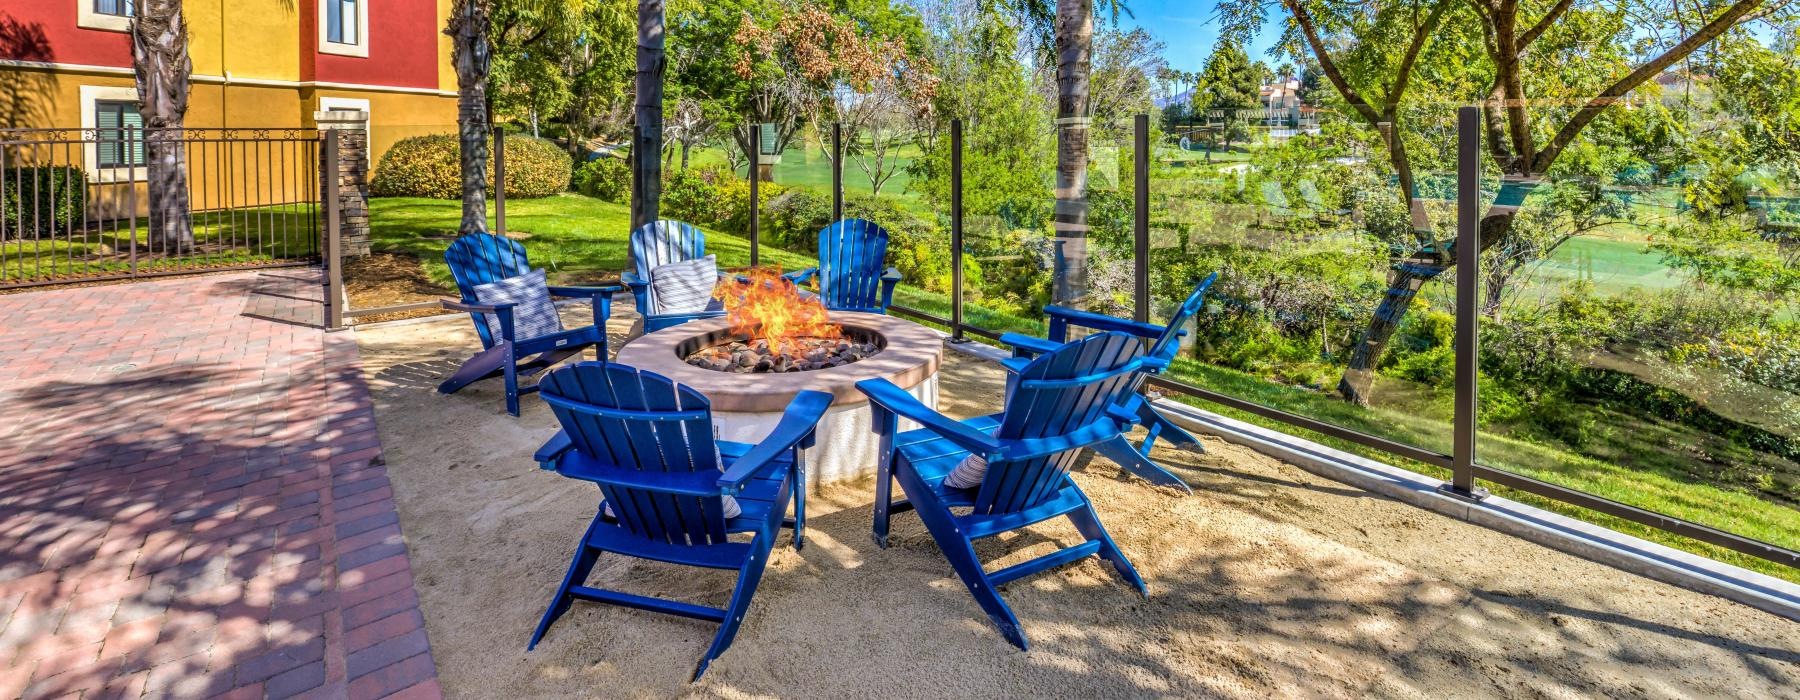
(254, 39)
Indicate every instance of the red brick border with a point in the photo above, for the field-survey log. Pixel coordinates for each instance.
(195, 503)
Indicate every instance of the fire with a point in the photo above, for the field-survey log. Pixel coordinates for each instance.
(771, 308)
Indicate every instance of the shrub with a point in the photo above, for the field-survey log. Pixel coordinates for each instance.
(710, 196)
(606, 177)
(428, 166)
(43, 199)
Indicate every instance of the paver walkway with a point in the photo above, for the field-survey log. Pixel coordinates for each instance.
(193, 501)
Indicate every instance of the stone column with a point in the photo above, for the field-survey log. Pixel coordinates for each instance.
(353, 176)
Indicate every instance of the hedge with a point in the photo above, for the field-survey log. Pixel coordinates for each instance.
(606, 177)
(43, 199)
(428, 166)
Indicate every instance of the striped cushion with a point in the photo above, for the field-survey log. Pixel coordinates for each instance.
(728, 506)
(534, 315)
(968, 473)
(684, 287)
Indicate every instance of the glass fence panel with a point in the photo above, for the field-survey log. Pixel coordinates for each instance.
(1639, 335)
(1312, 230)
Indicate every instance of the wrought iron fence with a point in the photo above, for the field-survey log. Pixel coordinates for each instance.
(120, 202)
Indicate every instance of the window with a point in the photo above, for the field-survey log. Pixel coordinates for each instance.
(116, 8)
(337, 30)
(344, 27)
(111, 120)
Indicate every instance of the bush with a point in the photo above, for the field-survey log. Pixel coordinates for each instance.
(710, 196)
(43, 199)
(428, 166)
(606, 177)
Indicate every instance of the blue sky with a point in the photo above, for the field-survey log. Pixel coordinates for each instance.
(1189, 28)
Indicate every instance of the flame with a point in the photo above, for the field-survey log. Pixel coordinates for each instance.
(769, 307)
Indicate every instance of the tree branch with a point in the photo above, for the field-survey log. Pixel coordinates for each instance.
(1329, 66)
(1537, 30)
(1591, 111)
(1421, 34)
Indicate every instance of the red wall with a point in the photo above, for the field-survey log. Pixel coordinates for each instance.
(44, 30)
(403, 48)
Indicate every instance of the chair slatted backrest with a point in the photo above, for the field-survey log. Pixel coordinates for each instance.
(1166, 345)
(665, 241)
(637, 424)
(1058, 394)
(852, 257)
(481, 258)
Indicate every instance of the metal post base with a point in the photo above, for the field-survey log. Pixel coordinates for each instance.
(1475, 495)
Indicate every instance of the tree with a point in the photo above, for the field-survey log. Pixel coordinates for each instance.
(159, 53)
(1074, 51)
(1546, 72)
(470, 53)
(646, 167)
(1228, 83)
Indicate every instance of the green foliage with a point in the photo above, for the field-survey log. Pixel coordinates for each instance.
(428, 166)
(43, 199)
(712, 195)
(606, 178)
(1228, 82)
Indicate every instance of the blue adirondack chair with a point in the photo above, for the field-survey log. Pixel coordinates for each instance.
(1165, 342)
(648, 443)
(481, 258)
(1072, 398)
(660, 243)
(852, 272)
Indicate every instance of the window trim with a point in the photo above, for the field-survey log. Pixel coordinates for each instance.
(87, 17)
(360, 49)
(91, 95)
(100, 134)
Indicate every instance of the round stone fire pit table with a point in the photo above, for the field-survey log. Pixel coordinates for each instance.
(746, 406)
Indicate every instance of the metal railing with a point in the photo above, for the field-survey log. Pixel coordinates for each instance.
(1467, 474)
(93, 204)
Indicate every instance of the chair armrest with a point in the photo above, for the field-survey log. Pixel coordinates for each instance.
(794, 430)
(640, 291)
(889, 280)
(1028, 346)
(800, 276)
(631, 279)
(586, 292)
(1101, 322)
(553, 449)
(500, 311)
(892, 398)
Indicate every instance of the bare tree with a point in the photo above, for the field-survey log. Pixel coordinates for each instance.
(159, 53)
(472, 56)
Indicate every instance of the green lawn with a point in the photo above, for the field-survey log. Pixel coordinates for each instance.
(225, 238)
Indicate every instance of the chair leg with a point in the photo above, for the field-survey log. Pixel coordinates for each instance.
(511, 372)
(961, 553)
(884, 496)
(1159, 425)
(748, 577)
(1088, 524)
(579, 568)
(798, 478)
(1120, 451)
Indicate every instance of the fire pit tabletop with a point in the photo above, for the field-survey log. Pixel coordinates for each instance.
(912, 354)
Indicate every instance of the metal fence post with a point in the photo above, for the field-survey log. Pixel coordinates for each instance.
(755, 197)
(956, 232)
(1140, 218)
(131, 143)
(334, 269)
(837, 171)
(1468, 293)
(499, 181)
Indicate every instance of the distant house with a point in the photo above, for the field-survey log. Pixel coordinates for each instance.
(1675, 86)
(262, 64)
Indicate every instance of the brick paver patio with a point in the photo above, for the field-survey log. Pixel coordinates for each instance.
(193, 502)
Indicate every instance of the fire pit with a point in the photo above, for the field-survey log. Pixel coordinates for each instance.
(821, 352)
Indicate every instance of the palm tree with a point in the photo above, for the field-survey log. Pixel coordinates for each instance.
(472, 56)
(159, 53)
(646, 167)
(1074, 52)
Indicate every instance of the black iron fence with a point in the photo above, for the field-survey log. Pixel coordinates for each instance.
(112, 203)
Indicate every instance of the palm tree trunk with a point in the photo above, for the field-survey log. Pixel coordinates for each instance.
(1074, 47)
(470, 53)
(159, 53)
(646, 180)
